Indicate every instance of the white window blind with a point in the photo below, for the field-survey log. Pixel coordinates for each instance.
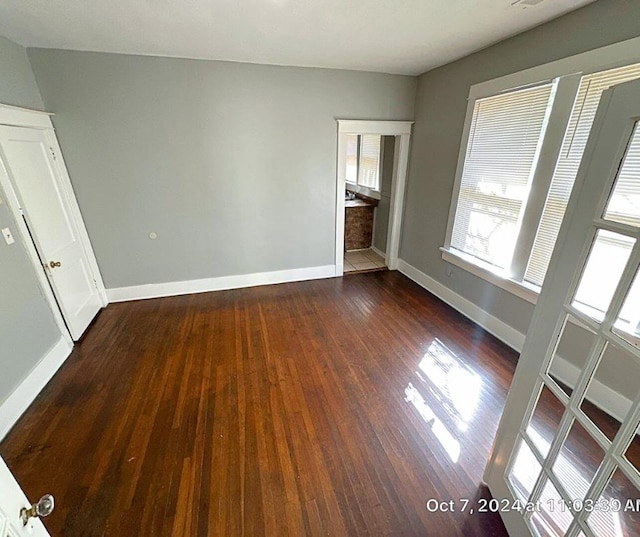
(624, 207)
(369, 169)
(351, 174)
(504, 143)
(624, 204)
(573, 145)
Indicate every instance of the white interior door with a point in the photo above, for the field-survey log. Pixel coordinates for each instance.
(33, 169)
(561, 465)
(12, 501)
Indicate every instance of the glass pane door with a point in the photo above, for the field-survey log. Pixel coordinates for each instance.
(571, 442)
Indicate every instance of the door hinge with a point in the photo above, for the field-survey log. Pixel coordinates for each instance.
(53, 153)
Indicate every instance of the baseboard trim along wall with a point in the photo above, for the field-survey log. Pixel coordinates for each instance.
(157, 290)
(612, 402)
(379, 252)
(14, 406)
(491, 324)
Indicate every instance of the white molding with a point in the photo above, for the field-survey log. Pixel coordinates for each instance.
(23, 117)
(402, 131)
(396, 204)
(600, 59)
(613, 403)
(470, 264)
(157, 290)
(384, 128)
(379, 252)
(366, 191)
(601, 395)
(25, 393)
(505, 333)
(608, 57)
(341, 164)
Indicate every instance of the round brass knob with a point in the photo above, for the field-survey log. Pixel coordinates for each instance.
(54, 264)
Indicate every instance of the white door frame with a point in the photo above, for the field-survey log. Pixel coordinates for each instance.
(402, 131)
(34, 119)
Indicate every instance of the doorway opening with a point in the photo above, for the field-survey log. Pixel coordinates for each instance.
(370, 181)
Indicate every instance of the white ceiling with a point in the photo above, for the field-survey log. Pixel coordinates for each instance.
(392, 36)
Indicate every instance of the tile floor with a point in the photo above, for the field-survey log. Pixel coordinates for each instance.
(360, 260)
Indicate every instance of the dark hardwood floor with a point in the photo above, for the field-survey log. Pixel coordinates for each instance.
(334, 407)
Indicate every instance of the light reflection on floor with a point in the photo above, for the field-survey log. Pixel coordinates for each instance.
(456, 388)
(459, 388)
(446, 439)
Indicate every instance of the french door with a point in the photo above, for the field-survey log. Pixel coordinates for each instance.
(566, 457)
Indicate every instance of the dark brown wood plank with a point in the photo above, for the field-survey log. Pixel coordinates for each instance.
(315, 408)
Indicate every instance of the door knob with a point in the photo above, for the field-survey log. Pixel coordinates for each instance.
(42, 508)
(54, 264)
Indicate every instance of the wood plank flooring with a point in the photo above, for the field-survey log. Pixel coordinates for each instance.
(333, 407)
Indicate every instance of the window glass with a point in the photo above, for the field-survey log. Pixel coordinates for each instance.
(504, 143)
(573, 145)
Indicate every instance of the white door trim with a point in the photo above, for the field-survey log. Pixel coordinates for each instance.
(34, 119)
(402, 131)
(23, 117)
(9, 196)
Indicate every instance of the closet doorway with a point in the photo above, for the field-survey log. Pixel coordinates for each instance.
(37, 190)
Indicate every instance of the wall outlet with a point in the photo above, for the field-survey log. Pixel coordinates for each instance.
(450, 272)
(8, 237)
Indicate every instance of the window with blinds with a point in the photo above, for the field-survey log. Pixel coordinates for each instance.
(369, 166)
(363, 160)
(504, 143)
(573, 145)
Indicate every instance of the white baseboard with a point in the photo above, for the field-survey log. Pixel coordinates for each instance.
(379, 252)
(612, 402)
(601, 395)
(156, 290)
(491, 324)
(14, 406)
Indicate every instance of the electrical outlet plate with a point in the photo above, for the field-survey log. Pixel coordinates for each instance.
(8, 237)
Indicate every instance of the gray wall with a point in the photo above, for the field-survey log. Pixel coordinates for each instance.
(17, 83)
(232, 165)
(441, 102)
(27, 328)
(440, 110)
(381, 226)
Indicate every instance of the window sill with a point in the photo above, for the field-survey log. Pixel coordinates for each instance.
(375, 194)
(470, 264)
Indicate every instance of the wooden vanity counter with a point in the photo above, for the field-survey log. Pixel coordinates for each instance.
(358, 223)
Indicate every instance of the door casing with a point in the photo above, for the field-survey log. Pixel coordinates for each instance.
(402, 131)
(33, 119)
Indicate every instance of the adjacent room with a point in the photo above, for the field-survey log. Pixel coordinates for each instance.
(276, 268)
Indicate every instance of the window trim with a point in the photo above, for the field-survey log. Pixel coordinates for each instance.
(569, 72)
(357, 187)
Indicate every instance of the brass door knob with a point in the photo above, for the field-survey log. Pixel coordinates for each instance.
(54, 264)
